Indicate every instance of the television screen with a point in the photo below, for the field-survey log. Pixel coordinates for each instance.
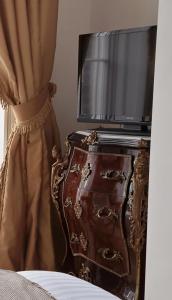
(116, 76)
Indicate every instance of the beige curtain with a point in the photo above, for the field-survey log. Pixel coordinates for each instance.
(27, 46)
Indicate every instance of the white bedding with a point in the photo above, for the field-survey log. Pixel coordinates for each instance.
(65, 287)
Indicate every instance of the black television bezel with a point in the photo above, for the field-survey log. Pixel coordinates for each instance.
(99, 121)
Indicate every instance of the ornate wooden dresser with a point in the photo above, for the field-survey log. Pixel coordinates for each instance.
(101, 189)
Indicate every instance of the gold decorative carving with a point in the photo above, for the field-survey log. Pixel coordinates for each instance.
(113, 175)
(83, 241)
(137, 202)
(144, 143)
(111, 255)
(68, 202)
(92, 139)
(58, 171)
(74, 238)
(137, 209)
(75, 168)
(86, 172)
(78, 209)
(85, 273)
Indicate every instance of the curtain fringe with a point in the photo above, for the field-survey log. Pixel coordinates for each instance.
(22, 128)
(36, 122)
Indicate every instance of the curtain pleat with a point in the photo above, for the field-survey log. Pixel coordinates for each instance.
(27, 47)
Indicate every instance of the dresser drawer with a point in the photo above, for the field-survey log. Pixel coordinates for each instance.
(96, 230)
(99, 172)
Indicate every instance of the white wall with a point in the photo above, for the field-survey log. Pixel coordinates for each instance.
(84, 16)
(74, 18)
(109, 14)
(159, 250)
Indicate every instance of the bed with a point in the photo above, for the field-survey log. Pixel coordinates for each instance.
(66, 287)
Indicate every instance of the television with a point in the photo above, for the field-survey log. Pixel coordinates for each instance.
(116, 76)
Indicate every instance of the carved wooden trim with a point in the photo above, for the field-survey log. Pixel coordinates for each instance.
(86, 172)
(78, 209)
(92, 139)
(138, 202)
(58, 172)
(85, 273)
(137, 208)
(68, 202)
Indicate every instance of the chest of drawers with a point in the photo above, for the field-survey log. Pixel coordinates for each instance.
(101, 188)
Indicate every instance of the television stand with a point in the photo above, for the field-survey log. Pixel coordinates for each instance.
(127, 129)
(103, 195)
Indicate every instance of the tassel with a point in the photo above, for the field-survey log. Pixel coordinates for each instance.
(36, 122)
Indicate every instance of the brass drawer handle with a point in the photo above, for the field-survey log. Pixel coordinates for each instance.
(74, 238)
(105, 213)
(75, 168)
(113, 175)
(68, 202)
(111, 255)
(85, 172)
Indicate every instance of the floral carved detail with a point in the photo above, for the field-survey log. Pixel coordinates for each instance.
(78, 209)
(75, 168)
(85, 273)
(137, 202)
(86, 172)
(58, 172)
(68, 202)
(91, 139)
(74, 238)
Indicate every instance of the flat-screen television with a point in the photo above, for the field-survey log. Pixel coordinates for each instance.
(116, 76)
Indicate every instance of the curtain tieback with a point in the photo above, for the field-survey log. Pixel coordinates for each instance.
(32, 114)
